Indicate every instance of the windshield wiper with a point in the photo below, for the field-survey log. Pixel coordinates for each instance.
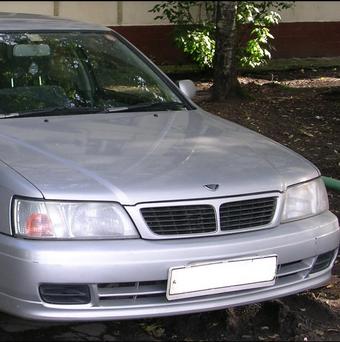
(144, 107)
(91, 110)
(52, 111)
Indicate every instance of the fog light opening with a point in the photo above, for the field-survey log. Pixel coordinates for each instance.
(322, 262)
(63, 294)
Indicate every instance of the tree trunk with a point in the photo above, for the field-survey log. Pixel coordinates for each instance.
(225, 73)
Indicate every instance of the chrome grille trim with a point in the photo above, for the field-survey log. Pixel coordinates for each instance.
(301, 267)
(116, 290)
(129, 294)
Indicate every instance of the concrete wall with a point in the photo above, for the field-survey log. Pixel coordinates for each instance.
(100, 12)
(37, 7)
(312, 11)
(132, 13)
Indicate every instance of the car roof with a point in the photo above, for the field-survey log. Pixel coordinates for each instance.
(10, 22)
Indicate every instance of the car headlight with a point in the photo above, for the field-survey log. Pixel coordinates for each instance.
(71, 220)
(306, 199)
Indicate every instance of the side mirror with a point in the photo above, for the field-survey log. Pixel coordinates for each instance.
(188, 88)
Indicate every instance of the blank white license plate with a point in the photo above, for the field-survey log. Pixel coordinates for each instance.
(222, 276)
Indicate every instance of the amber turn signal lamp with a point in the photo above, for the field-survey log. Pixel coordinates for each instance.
(38, 225)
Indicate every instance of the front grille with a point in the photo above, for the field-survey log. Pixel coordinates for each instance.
(186, 219)
(246, 214)
(200, 219)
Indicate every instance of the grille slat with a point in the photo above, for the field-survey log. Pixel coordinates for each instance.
(186, 231)
(183, 231)
(192, 219)
(169, 229)
(246, 206)
(246, 225)
(250, 217)
(141, 290)
(179, 208)
(180, 225)
(245, 211)
(245, 214)
(177, 220)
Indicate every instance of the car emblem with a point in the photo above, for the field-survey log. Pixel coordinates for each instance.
(212, 187)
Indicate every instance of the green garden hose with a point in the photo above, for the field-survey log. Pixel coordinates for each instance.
(331, 183)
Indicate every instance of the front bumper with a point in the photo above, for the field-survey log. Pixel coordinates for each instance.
(143, 264)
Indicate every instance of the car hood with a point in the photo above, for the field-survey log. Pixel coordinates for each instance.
(145, 157)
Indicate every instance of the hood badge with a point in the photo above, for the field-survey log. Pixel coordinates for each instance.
(212, 187)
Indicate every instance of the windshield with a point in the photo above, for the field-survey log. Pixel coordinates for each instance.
(58, 72)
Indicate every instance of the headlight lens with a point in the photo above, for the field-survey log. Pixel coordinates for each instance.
(71, 220)
(306, 199)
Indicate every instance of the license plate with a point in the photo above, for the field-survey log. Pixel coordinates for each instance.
(221, 276)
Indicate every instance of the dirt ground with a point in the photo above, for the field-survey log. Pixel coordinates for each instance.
(299, 109)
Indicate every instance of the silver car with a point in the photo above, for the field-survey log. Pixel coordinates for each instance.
(121, 198)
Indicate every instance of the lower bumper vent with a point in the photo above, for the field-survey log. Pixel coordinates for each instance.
(65, 294)
(322, 262)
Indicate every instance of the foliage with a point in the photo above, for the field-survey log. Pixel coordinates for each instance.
(195, 28)
(259, 16)
(198, 43)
